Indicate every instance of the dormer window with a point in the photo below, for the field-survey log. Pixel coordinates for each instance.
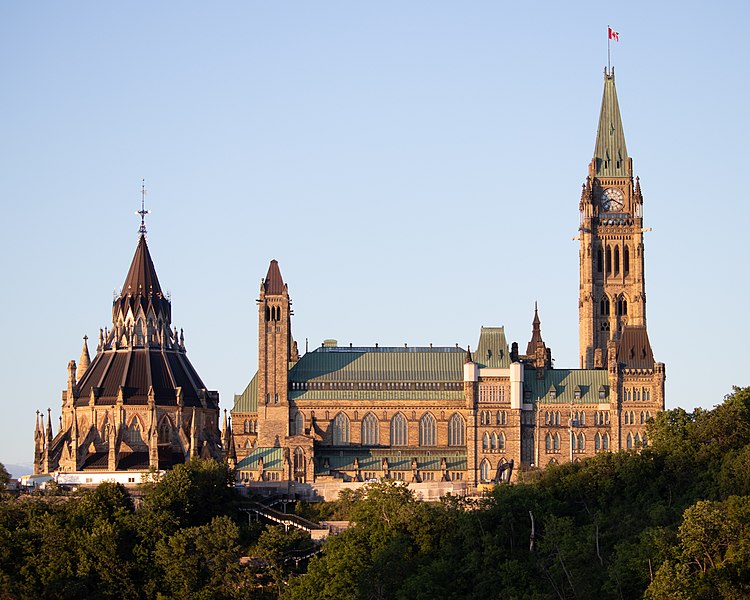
(602, 393)
(577, 393)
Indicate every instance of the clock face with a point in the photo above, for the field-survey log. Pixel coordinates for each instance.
(612, 200)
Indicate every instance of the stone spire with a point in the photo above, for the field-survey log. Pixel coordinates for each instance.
(85, 360)
(49, 424)
(610, 152)
(273, 283)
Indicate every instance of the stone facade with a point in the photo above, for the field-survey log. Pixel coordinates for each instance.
(457, 418)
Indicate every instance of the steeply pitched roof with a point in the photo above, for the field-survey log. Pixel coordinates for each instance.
(635, 348)
(273, 283)
(536, 333)
(142, 274)
(610, 152)
(492, 350)
(565, 382)
(247, 401)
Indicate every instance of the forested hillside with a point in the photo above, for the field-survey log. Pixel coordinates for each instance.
(670, 522)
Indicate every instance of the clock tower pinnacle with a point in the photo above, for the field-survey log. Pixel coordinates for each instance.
(612, 281)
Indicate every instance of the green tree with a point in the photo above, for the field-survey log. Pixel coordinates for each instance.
(4, 476)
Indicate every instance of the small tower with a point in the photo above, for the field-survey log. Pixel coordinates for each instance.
(274, 356)
(538, 356)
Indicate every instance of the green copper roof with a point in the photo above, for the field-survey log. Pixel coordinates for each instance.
(343, 460)
(565, 382)
(610, 153)
(492, 350)
(247, 401)
(379, 364)
(273, 460)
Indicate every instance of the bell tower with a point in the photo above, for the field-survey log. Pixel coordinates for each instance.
(612, 281)
(275, 348)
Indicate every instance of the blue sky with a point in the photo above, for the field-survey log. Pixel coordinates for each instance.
(415, 167)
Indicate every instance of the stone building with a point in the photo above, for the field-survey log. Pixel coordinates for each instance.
(139, 404)
(460, 418)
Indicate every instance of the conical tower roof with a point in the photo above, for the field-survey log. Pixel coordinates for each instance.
(610, 152)
(273, 283)
(142, 274)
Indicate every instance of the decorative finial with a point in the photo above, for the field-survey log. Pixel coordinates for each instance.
(143, 212)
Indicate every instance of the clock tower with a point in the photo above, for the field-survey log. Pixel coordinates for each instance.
(612, 281)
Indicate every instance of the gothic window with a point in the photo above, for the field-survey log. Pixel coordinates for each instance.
(626, 261)
(493, 442)
(617, 260)
(548, 443)
(597, 442)
(581, 442)
(643, 417)
(486, 441)
(605, 441)
(427, 427)
(629, 442)
(456, 430)
(165, 432)
(583, 418)
(299, 424)
(622, 306)
(498, 418)
(370, 430)
(268, 314)
(399, 430)
(299, 460)
(501, 442)
(648, 415)
(556, 442)
(644, 441)
(557, 418)
(340, 430)
(484, 471)
(247, 426)
(599, 260)
(546, 417)
(604, 307)
(134, 432)
(608, 260)
(637, 441)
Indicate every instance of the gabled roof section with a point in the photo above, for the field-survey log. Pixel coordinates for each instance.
(565, 382)
(142, 274)
(635, 348)
(492, 349)
(610, 152)
(247, 401)
(273, 283)
(536, 333)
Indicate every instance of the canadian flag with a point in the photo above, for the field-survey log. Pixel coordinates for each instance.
(613, 35)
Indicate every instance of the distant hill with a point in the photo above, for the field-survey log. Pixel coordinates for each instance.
(17, 470)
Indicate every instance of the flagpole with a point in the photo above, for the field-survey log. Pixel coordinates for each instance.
(608, 60)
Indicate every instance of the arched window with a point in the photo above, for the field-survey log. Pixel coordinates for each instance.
(399, 430)
(486, 441)
(627, 418)
(617, 260)
(134, 432)
(597, 442)
(484, 470)
(247, 426)
(501, 442)
(629, 442)
(622, 306)
(498, 418)
(644, 440)
(625, 261)
(546, 417)
(299, 424)
(605, 441)
(456, 430)
(643, 417)
(556, 442)
(608, 259)
(427, 427)
(548, 442)
(637, 441)
(299, 460)
(648, 415)
(370, 430)
(340, 430)
(493, 442)
(581, 442)
(599, 260)
(165, 431)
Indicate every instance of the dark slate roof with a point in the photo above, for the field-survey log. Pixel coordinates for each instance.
(142, 274)
(610, 137)
(635, 348)
(273, 283)
(137, 370)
